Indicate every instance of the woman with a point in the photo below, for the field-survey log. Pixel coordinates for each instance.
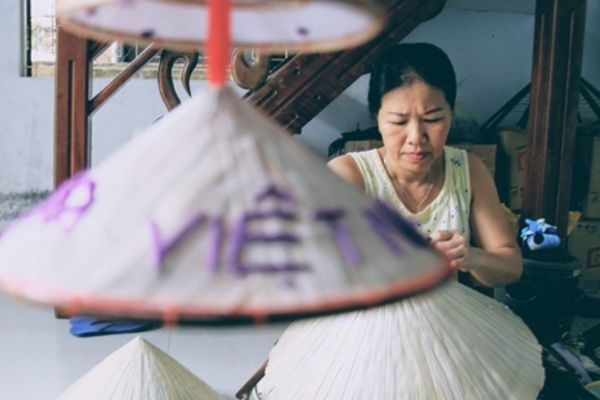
(449, 193)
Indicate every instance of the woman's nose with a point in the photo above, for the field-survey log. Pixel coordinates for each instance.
(417, 133)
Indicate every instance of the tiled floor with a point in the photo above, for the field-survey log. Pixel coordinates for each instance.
(39, 358)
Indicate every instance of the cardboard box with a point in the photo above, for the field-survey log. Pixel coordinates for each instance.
(591, 204)
(487, 153)
(361, 145)
(513, 149)
(584, 245)
(512, 161)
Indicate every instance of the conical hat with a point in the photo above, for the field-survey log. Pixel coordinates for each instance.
(452, 343)
(139, 371)
(264, 25)
(214, 213)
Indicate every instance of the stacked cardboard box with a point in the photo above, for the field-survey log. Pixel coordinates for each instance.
(487, 153)
(513, 144)
(591, 205)
(513, 149)
(584, 245)
(584, 242)
(361, 145)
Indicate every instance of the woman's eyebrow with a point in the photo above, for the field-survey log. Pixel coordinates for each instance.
(434, 110)
(401, 114)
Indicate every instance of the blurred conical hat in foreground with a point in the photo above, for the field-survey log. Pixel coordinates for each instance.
(297, 26)
(452, 343)
(213, 214)
(139, 371)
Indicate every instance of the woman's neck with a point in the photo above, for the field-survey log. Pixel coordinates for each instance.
(414, 178)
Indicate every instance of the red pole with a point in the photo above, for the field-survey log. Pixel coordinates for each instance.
(218, 46)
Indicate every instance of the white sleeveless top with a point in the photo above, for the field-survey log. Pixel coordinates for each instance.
(449, 210)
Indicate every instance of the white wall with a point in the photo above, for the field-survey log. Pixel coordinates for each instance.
(25, 114)
(491, 52)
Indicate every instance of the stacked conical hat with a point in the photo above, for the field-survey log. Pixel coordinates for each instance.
(452, 343)
(214, 213)
(139, 371)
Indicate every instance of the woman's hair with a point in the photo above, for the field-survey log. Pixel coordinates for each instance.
(404, 64)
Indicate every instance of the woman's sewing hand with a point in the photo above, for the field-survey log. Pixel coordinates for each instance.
(454, 246)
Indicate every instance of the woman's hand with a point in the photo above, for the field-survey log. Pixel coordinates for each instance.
(454, 246)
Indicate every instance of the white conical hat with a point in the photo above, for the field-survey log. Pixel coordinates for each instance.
(214, 212)
(452, 343)
(264, 25)
(139, 371)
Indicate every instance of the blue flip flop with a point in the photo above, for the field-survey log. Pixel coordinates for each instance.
(86, 326)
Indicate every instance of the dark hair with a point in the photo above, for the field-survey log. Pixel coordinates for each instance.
(406, 63)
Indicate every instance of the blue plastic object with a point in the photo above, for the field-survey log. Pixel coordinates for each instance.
(539, 235)
(86, 326)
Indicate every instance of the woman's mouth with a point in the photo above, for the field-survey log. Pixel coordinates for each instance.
(417, 156)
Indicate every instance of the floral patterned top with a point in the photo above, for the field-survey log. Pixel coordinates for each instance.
(449, 210)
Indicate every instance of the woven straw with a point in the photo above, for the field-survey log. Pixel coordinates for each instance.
(452, 343)
(139, 371)
(261, 25)
(214, 213)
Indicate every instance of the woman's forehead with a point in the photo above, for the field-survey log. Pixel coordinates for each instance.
(406, 98)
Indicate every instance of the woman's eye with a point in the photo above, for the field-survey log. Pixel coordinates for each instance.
(433, 120)
(398, 122)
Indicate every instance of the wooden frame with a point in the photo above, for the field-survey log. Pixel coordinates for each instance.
(558, 54)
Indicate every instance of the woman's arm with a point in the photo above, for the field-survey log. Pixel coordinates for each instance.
(345, 167)
(496, 261)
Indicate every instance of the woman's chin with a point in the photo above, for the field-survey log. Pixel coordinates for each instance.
(417, 165)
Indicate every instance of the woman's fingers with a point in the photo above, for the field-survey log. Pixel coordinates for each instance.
(453, 245)
(443, 240)
(441, 236)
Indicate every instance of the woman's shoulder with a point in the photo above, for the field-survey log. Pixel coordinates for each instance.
(477, 167)
(459, 156)
(456, 153)
(346, 167)
(481, 178)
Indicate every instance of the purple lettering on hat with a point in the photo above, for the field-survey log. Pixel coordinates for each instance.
(276, 192)
(69, 202)
(388, 224)
(302, 31)
(242, 238)
(346, 245)
(401, 224)
(91, 11)
(384, 230)
(217, 229)
(163, 248)
(278, 214)
(148, 33)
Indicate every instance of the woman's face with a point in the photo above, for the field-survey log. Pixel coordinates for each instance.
(414, 121)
